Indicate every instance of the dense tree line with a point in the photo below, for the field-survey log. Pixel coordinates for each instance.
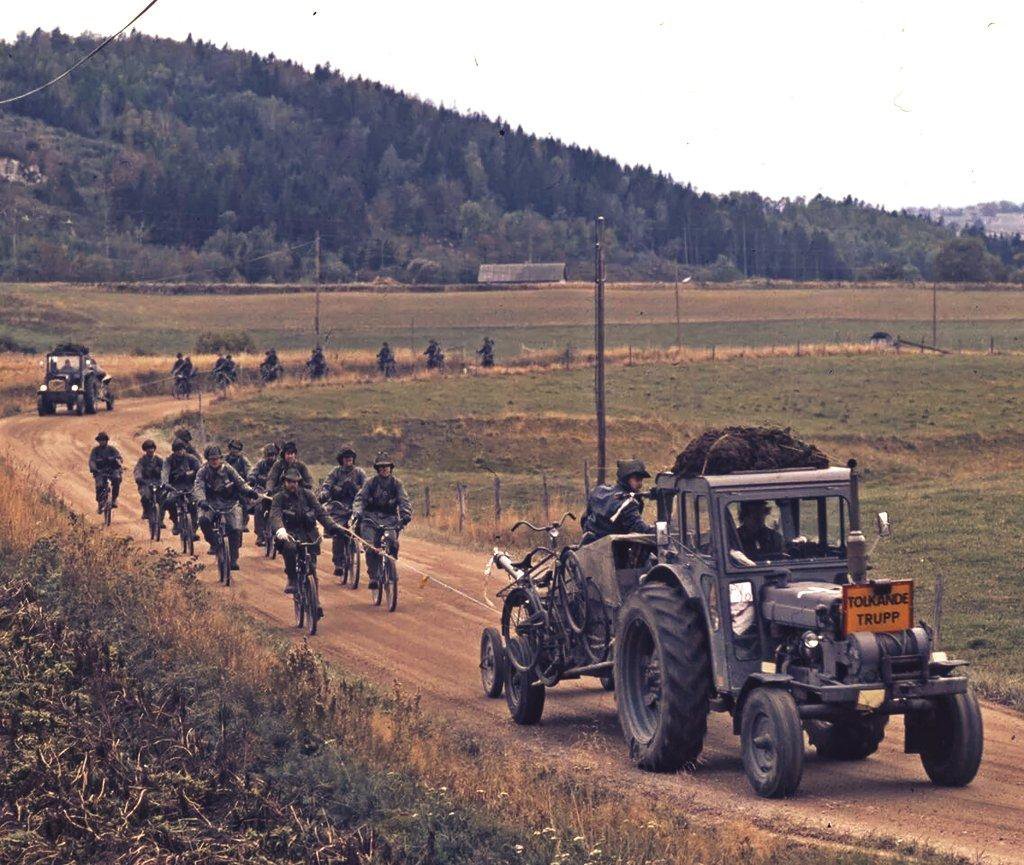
(170, 157)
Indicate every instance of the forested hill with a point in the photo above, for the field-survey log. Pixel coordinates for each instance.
(162, 158)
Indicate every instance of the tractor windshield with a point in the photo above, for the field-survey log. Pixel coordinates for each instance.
(773, 530)
(63, 364)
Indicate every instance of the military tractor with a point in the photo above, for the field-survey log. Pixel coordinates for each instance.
(72, 378)
(754, 598)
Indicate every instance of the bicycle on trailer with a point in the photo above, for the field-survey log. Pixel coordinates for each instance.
(306, 597)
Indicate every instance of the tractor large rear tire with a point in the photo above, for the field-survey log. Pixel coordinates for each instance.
(856, 739)
(662, 677)
(951, 754)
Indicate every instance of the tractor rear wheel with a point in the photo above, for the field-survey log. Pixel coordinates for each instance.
(772, 742)
(954, 741)
(662, 678)
(853, 739)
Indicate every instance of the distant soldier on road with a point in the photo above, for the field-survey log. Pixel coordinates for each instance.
(338, 493)
(317, 364)
(386, 360)
(148, 473)
(618, 509)
(105, 464)
(486, 352)
(270, 367)
(434, 355)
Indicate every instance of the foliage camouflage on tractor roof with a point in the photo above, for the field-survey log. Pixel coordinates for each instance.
(739, 448)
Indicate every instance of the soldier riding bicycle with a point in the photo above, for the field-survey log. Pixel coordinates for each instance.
(380, 504)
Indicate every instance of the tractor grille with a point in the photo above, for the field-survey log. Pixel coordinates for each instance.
(56, 384)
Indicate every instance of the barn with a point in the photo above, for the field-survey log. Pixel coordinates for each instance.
(510, 274)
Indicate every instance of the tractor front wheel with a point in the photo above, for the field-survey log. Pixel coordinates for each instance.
(772, 742)
(662, 678)
(954, 740)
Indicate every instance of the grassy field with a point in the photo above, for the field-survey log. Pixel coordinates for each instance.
(940, 439)
(519, 321)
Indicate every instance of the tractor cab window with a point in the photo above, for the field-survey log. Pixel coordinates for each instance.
(63, 364)
(774, 530)
(695, 523)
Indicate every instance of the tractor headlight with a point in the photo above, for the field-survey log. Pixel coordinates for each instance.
(42, 388)
(810, 643)
(74, 387)
(811, 640)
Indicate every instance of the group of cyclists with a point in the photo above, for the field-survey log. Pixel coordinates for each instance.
(277, 492)
(226, 370)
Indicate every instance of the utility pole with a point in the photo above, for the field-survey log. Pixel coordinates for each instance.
(316, 253)
(602, 451)
(935, 314)
(679, 327)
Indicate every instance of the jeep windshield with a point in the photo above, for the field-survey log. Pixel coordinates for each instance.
(63, 364)
(806, 528)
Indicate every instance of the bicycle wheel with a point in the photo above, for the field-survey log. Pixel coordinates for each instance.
(298, 601)
(391, 584)
(224, 559)
(188, 534)
(154, 521)
(521, 618)
(378, 593)
(571, 592)
(357, 566)
(312, 604)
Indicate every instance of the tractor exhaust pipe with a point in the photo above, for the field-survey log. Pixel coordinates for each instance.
(856, 543)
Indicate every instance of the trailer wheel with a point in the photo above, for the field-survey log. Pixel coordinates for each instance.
(523, 696)
(662, 678)
(772, 742)
(951, 751)
(492, 662)
(854, 739)
(608, 682)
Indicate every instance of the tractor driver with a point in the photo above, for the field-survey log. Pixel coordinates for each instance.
(758, 540)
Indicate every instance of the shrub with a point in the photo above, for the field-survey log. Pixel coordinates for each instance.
(211, 342)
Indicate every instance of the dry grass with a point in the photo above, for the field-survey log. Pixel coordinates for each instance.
(165, 624)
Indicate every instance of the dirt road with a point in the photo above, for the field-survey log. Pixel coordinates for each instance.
(430, 645)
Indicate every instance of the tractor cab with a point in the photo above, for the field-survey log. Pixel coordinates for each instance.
(73, 378)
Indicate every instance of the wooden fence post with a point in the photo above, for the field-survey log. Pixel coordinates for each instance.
(586, 480)
(426, 502)
(798, 348)
(712, 352)
(991, 345)
(460, 494)
(546, 500)
(630, 361)
(497, 500)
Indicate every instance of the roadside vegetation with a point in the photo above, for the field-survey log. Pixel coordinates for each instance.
(938, 437)
(143, 722)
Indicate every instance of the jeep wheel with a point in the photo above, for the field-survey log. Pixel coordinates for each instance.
(854, 739)
(110, 403)
(492, 662)
(79, 406)
(523, 696)
(772, 742)
(90, 400)
(955, 739)
(45, 407)
(662, 678)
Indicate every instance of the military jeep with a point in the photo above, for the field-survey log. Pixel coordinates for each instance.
(760, 605)
(72, 378)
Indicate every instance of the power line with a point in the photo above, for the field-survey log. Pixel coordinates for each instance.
(87, 57)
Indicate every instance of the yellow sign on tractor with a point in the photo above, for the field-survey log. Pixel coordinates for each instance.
(878, 607)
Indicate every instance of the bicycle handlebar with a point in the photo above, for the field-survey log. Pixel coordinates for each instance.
(548, 528)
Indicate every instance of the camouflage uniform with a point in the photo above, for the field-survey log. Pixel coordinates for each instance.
(278, 469)
(381, 502)
(179, 473)
(298, 513)
(617, 509)
(148, 472)
(221, 489)
(105, 463)
(338, 493)
(240, 464)
(258, 478)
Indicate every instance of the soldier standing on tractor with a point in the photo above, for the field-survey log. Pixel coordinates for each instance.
(380, 503)
(258, 478)
(486, 352)
(148, 473)
(618, 509)
(289, 459)
(338, 493)
(179, 473)
(236, 459)
(105, 464)
(219, 487)
(294, 514)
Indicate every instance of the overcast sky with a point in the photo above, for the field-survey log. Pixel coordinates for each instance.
(896, 103)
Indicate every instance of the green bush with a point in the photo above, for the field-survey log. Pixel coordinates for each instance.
(211, 342)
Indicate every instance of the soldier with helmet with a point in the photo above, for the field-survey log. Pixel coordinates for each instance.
(258, 478)
(338, 493)
(219, 487)
(289, 459)
(148, 473)
(294, 514)
(105, 463)
(179, 473)
(184, 435)
(380, 503)
(617, 509)
(236, 459)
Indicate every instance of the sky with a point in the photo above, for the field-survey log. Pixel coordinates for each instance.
(897, 103)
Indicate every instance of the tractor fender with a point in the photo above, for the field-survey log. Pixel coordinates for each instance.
(756, 680)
